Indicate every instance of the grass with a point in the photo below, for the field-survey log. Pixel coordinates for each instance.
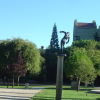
(49, 93)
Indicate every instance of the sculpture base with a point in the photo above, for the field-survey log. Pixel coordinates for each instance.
(59, 79)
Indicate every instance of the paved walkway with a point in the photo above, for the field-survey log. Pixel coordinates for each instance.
(18, 94)
(94, 91)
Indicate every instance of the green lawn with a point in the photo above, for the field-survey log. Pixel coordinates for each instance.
(49, 93)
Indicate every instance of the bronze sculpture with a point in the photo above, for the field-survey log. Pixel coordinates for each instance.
(66, 36)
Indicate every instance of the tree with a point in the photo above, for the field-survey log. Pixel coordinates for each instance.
(96, 37)
(54, 40)
(79, 64)
(10, 49)
(95, 58)
(87, 44)
(42, 74)
(50, 57)
(86, 71)
(17, 69)
(92, 48)
(51, 64)
(4, 53)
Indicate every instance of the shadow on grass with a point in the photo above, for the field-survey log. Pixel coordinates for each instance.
(15, 86)
(68, 89)
(83, 89)
(76, 90)
(55, 88)
(52, 98)
(9, 85)
(79, 99)
(42, 98)
(50, 88)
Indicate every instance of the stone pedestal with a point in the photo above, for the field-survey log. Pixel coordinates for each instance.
(59, 78)
(74, 85)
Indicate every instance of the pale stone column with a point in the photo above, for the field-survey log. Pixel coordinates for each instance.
(59, 78)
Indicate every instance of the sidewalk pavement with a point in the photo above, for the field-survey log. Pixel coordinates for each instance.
(18, 94)
(94, 91)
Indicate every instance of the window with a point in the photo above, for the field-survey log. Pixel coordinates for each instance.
(77, 37)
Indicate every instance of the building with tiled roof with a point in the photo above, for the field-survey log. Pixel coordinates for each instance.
(85, 30)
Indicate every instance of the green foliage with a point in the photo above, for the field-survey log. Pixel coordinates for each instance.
(30, 53)
(42, 74)
(96, 37)
(87, 44)
(80, 64)
(86, 72)
(19, 68)
(90, 47)
(4, 54)
(51, 64)
(54, 40)
(95, 58)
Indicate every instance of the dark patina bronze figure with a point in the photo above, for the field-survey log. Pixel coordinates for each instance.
(66, 36)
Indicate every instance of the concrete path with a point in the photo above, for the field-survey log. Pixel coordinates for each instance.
(95, 91)
(18, 94)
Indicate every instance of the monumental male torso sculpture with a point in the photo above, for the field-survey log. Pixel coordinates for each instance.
(66, 36)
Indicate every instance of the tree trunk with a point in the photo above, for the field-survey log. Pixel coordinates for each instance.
(13, 82)
(85, 84)
(77, 84)
(18, 81)
(92, 84)
(4, 79)
(7, 80)
(86, 89)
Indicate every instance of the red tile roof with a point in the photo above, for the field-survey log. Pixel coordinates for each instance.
(89, 25)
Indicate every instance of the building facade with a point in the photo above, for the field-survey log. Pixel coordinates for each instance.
(85, 31)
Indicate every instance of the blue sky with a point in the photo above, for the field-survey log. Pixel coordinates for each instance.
(34, 19)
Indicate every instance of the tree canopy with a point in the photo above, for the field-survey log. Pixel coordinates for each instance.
(88, 53)
(19, 68)
(54, 43)
(30, 53)
(80, 64)
(96, 37)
